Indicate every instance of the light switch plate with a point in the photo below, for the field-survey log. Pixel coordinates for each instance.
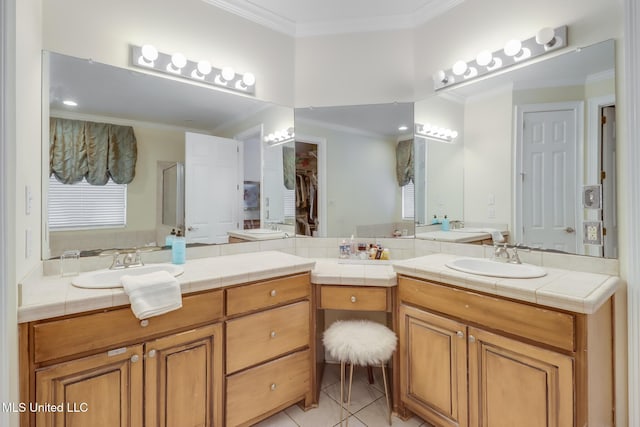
(592, 233)
(592, 196)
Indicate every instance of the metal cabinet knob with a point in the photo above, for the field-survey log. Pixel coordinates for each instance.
(135, 358)
(152, 353)
(273, 386)
(273, 293)
(273, 334)
(472, 338)
(353, 298)
(460, 334)
(144, 323)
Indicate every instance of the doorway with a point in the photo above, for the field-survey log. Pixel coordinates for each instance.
(310, 187)
(547, 187)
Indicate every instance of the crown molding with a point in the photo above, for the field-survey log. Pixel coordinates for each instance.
(283, 25)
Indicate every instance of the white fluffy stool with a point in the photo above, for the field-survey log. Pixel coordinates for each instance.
(359, 342)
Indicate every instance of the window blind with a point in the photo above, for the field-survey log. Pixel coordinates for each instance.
(84, 206)
(408, 207)
(289, 203)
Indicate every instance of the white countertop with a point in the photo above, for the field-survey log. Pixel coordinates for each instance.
(568, 290)
(51, 296)
(257, 234)
(453, 236)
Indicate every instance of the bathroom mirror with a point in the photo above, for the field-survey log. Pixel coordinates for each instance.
(346, 170)
(161, 111)
(566, 102)
(172, 194)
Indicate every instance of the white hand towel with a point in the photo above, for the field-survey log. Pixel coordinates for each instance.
(152, 294)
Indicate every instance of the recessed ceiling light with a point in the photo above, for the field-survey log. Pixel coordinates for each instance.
(70, 103)
(402, 128)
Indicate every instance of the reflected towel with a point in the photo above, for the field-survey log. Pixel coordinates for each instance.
(152, 294)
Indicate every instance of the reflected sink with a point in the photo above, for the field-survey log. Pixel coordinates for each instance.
(101, 279)
(487, 267)
(261, 231)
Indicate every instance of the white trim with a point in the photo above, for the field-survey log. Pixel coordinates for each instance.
(632, 158)
(45, 251)
(322, 178)
(578, 112)
(242, 136)
(5, 392)
(281, 24)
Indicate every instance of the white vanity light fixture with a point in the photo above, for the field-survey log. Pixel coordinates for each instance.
(148, 57)
(435, 133)
(514, 52)
(280, 137)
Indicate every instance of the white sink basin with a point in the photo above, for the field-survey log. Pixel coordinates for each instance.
(486, 267)
(106, 278)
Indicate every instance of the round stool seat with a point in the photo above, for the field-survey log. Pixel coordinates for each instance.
(360, 342)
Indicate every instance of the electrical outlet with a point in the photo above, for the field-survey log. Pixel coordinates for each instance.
(592, 233)
(491, 199)
(491, 212)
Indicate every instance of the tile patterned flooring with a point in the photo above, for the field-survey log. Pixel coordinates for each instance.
(368, 407)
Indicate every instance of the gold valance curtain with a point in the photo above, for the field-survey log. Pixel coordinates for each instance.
(404, 162)
(95, 151)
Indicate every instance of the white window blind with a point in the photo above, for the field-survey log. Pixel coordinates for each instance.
(408, 201)
(83, 206)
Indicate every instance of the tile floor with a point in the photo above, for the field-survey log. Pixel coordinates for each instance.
(368, 407)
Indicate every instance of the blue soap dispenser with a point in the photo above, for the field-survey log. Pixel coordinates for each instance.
(178, 249)
(168, 241)
(445, 224)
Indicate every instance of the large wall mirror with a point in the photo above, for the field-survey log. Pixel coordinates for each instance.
(535, 153)
(175, 123)
(346, 162)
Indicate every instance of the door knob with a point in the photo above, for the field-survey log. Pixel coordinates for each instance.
(190, 228)
(570, 230)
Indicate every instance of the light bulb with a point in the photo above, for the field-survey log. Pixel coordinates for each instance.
(426, 128)
(178, 60)
(402, 128)
(513, 47)
(149, 53)
(447, 133)
(248, 79)
(454, 134)
(459, 68)
(204, 67)
(546, 37)
(484, 58)
(440, 77)
(228, 73)
(70, 103)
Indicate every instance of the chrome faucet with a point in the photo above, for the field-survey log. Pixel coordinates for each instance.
(130, 258)
(502, 253)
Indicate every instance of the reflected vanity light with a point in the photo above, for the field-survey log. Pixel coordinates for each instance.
(70, 103)
(435, 133)
(514, 52)
(280, 137)
(148, 57)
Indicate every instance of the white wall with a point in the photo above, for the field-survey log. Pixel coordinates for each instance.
(350, 69)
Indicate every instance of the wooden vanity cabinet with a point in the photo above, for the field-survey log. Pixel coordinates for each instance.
(163, 371)
(469, 359)
(269, 348)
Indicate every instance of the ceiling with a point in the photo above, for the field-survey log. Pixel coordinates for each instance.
(302, 18)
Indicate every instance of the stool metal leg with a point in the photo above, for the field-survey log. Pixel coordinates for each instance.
(349, 394)
(386, 391)
(342, 366)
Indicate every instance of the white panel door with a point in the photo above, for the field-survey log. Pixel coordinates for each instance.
(212, 188)
(549, 180)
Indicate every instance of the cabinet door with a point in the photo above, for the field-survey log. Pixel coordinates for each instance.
(104, 390)
(183, 379)
(433, 366)
(516, 384)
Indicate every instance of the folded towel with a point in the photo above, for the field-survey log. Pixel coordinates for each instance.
(152, 294)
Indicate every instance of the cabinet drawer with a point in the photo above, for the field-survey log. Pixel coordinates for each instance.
(268, 387)
(61, 338)
(244, 299)
(262, 336)
(539, 324)
(354, 298)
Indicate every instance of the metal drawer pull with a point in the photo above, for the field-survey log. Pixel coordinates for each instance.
(152, 353)
(353, 298)
(273, 334)
(273, 293)
(472, 338)
(460, 334)
(273, 386)
(144, 323)
(135, 358)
